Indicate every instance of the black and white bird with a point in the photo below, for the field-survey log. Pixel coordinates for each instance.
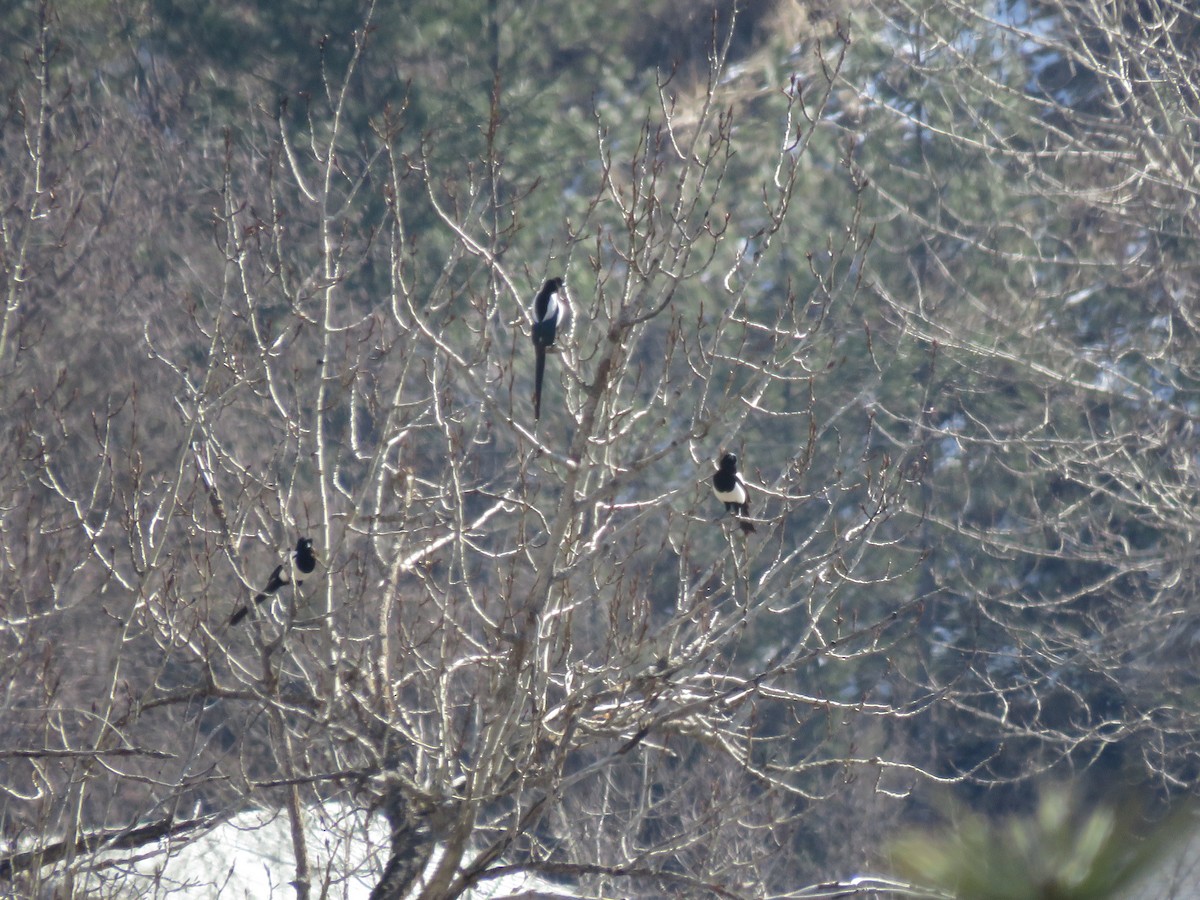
(302, 558)
(547, 309)
(731, 490)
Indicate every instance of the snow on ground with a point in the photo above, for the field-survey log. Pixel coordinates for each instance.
(250, 856)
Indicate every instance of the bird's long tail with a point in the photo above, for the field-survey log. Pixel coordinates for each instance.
(538, 373)
(243, 611)
(747, 527)
(274, 583)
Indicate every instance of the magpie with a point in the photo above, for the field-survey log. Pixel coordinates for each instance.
(547, 308)
(731, 490)
(304, 559)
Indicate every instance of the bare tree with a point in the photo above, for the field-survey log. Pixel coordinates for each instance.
(542, 646)
(1045, 214)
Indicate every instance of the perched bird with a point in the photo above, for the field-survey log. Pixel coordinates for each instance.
(731, 490)
(547, 308)
(305, 561)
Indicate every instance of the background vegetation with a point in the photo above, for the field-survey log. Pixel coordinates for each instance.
(929, 268)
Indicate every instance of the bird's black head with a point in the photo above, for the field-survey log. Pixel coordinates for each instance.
(304, 545)
(729, 462)
(553, 284)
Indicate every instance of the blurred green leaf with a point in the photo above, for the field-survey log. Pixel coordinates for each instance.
(1061, 851)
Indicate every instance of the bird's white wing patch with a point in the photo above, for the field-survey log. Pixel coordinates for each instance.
(737, 495)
